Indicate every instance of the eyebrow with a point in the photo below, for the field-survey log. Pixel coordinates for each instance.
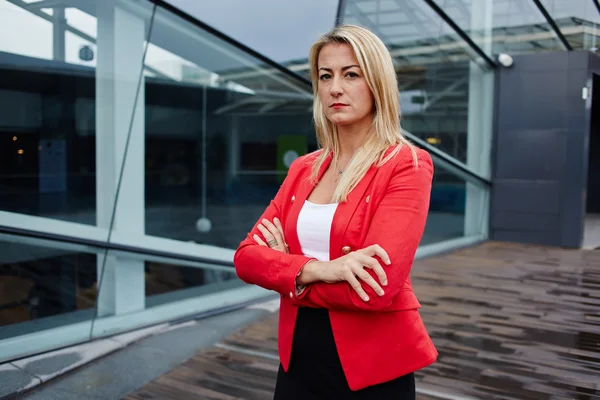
(343, 69)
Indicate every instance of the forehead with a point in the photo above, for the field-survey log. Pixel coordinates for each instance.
(336, 55)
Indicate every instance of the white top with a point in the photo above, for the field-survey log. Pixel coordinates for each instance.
(314, 229)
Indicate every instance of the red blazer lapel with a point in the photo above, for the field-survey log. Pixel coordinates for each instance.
(344, 214)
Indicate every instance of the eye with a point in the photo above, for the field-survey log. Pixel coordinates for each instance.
(324, 77)
(352, 75)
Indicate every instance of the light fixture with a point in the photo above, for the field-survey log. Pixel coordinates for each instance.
(433, 140)
(14, 138)
(505, 60)
(20, 151)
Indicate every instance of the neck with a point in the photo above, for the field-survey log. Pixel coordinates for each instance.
(351, 138)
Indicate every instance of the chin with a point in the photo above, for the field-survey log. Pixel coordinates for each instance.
(340, 120)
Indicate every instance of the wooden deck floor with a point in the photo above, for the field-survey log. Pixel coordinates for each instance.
(510, 322)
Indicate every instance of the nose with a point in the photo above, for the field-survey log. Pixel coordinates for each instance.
(336, 88)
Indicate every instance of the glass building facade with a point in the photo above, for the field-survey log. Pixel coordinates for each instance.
(138, 146)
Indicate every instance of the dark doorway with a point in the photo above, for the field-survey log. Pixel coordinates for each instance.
(593, 186)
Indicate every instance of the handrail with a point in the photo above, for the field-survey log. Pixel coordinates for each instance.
(449, 162)
(100, 245)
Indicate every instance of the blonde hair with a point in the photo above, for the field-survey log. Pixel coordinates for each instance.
(377, 67)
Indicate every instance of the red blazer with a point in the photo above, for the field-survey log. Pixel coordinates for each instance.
(383, 338)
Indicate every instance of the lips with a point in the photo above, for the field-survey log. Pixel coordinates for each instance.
(338, 105)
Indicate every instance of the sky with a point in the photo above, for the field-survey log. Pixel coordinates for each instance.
(282, 30)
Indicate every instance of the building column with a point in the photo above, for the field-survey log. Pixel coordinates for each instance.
(121, 36)
(59, 31)
(479, 130)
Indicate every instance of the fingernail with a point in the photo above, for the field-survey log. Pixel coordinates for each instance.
(382, 293)
(366, 298)
(264, 220)
(388, 262)
(276, 219)
(384, 283)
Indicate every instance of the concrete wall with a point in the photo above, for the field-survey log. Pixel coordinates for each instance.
(540, 149)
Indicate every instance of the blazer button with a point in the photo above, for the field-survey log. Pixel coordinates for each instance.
(293, 198)
(291, 295)
(346, 249)
(368, 198)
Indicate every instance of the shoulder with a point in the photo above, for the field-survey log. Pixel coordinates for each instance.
(408, 156)
(409, 162)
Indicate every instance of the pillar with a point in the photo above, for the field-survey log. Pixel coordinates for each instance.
(120, 144)
(479, 128)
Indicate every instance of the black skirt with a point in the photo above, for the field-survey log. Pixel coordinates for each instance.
(316, 371)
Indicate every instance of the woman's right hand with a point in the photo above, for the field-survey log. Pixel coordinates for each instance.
(351, 268)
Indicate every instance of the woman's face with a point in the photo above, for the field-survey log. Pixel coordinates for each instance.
(342, 87)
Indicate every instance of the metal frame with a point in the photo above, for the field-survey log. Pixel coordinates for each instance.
(463, 35)
(553, 25)
(597, 3)
(194, 21)
(110, 246)
(341, 10)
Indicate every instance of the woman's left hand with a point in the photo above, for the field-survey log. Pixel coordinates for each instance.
(273, 235)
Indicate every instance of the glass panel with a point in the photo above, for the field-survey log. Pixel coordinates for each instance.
(515, 26)
(48, 127)
(44, 285)
(46, 163)
(413, 32)
(168, 289)
(455, 208)
(434, 101)
(81, 43)
(220, 128)
(167, 282)
(433, 66)
(578, 20)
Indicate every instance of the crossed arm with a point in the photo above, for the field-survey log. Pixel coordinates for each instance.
(396, 227)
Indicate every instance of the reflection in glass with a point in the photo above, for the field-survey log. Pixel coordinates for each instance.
(432, 64)
(41, 281)
(218, 125)
(446, 218)
(414, 33)
(578, 21)
(36, 43)
(167, 282)
(514, 26)
(457, 207)
(47, 149)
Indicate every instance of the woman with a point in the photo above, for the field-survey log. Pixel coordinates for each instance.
(339, 238)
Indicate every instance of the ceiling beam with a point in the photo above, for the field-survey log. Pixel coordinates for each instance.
(464, 36)
(341, 11)
(553, 25)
